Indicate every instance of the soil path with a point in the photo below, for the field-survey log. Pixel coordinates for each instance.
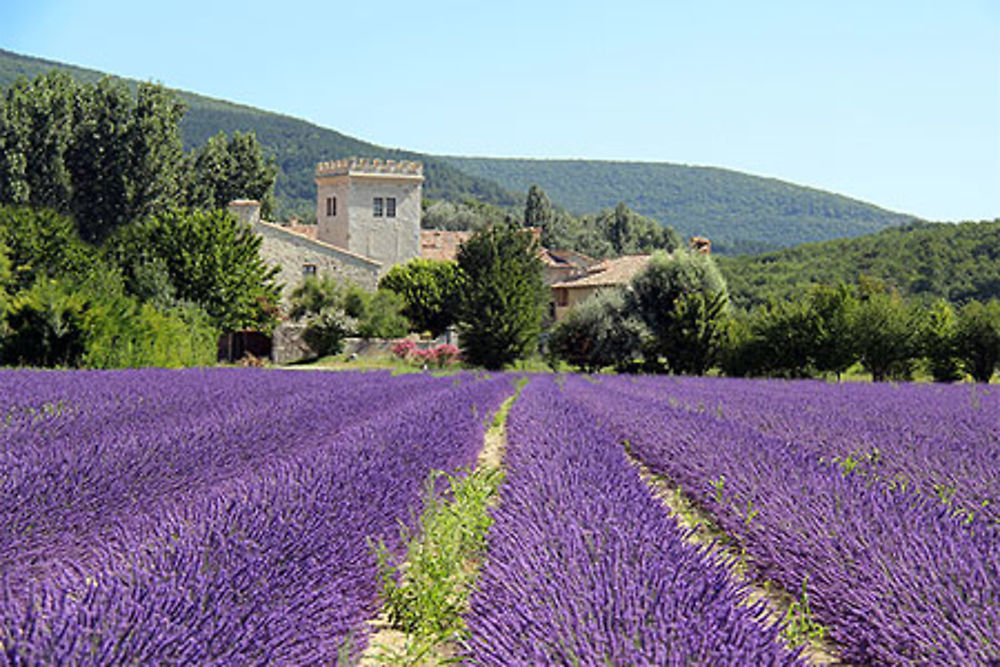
(703, 533)
(386, 645)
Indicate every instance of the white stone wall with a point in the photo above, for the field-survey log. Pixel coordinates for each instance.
(332, 229)
(388, 240)
(290, 252)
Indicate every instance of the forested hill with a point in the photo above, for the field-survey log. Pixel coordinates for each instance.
(295, 144)
(955, 261)
(736, 210)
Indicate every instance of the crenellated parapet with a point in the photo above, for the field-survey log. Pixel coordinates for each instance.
(370, 166)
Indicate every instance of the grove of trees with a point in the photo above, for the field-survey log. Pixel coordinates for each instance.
(114, 250)
(610, 233)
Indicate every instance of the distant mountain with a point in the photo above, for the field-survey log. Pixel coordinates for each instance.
(737, 211)
(955, 261)
(295, 144)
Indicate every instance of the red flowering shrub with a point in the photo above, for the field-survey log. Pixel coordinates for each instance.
(403, 349)
(446, 355)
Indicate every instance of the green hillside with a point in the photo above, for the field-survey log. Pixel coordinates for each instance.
(295, 144)
(739, 212)
(955, 261)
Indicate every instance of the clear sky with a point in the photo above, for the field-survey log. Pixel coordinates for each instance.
(895, 102)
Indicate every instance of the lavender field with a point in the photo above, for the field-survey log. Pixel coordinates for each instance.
(227, 516)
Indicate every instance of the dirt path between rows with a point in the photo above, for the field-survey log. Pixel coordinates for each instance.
(388, 646)
(701, 532)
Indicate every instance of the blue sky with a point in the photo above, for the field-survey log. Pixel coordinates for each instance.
(892, 102)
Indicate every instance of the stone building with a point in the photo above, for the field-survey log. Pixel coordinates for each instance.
(368, 220)
(614, 272)
(370, 208)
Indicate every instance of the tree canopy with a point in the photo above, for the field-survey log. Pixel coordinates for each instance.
(682, 299)
(430, 292)
(106, 157)
(211, 259)
(502, 296)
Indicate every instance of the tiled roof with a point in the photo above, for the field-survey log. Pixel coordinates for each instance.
(441, 245)
(616, 271)
(568, 258)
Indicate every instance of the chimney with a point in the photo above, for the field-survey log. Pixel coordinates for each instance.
(247, 210)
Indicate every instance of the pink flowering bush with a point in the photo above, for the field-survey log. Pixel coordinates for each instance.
(446, 355)
(403, 349)
(441, 356)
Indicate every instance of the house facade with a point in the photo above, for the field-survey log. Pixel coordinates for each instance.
(602, 275)
(368, 220)
(370, 208)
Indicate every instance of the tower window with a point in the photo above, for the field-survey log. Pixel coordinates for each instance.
(331, 206)
(390, 207)
(377, 207)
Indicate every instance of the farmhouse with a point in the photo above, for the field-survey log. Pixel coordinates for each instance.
(608, 273)
(368, 219)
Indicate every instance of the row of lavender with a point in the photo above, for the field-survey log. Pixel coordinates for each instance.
(942, 440)
(194, 517)
(895, 575)
(586, 568)
(85, 451)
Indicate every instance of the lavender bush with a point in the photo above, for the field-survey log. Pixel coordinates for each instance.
(585, 567)
(896, 576)
(212, 517)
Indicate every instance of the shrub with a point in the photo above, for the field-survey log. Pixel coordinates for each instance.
(598, 333)
(95, 325)
(429, 289)
(402, 349)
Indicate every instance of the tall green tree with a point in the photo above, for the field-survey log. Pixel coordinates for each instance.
(430, 292)
(537, 208)
(212, 259)
(228, 168)
(682, 299)
(978, 338)
(502, 296)
(95, 151)
(156, 157)
(125, 158)
(831, 313)
(36, 124)
(886, 331)
(939, 342)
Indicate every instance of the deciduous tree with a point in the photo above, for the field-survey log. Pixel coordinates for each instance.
(682, 298)
(430, 291)
(598, 333)
(212, 260)
(978, 338)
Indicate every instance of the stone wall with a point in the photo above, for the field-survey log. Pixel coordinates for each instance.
(287, 345)
(290, 252)
(394, 240)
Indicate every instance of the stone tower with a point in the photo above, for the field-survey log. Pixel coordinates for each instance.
(370, 207)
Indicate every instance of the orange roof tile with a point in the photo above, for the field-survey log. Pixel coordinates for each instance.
(616, 271)
(440, 244)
